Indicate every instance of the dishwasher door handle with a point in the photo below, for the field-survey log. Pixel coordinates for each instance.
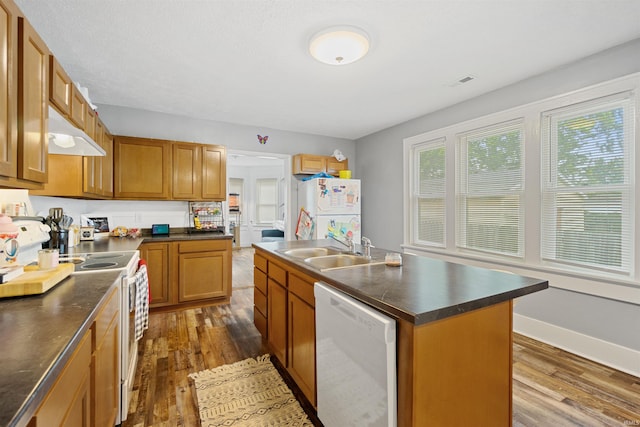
(335, 304)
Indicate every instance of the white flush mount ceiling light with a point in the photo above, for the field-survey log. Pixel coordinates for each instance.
(339, 45)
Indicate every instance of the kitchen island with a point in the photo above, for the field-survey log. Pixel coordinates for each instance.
(454, 328)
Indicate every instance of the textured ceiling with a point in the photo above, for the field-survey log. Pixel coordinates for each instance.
(247, 61)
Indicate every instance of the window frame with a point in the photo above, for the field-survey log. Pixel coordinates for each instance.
(258, 204)
(623, 287)
(463, 194)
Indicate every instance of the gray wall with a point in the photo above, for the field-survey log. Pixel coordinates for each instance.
(380, 162)
(149, 124)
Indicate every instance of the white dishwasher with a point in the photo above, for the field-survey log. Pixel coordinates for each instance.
(356, 362)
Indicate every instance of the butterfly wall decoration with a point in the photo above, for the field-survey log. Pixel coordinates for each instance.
(263, 139)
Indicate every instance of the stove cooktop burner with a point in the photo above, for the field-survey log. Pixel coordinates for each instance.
(98, 265)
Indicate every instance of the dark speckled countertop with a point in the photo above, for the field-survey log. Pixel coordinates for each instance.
(421, 290)
(38, 333)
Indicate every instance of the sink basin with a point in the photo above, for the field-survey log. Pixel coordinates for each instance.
(310, 252)
(338, 261)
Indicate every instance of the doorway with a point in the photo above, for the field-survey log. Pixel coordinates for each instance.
(259, 185)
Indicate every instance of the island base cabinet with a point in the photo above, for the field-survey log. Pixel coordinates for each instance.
(456, 371)
(302, 346)
(277, 320)
(69, 401)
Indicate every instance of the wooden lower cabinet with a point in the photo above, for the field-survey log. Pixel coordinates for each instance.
(203, 269)
(260, 305)
(277, 320)
(188, 272)
(105, 363)
(290, 319)
(157, 257)
(86, 393)
(69, 401)
(302, 345)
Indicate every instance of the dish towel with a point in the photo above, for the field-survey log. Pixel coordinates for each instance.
(141, 317)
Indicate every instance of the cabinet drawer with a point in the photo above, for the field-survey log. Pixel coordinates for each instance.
(260, 262)
(103, 320)
(302, 288)
(202, 246)
(260, 280)
(260, 301)
(277, 273)
(260, 321)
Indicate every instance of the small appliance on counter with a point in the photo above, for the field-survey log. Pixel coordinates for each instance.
(206, 217)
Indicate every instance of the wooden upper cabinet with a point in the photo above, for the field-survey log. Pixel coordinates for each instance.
(311, 164)
(187, 164)
(142, 168)
(33, 103)
(199, 171)
(60, 87)
(214, 172)
(90, 122)
(78, 113)
(9, 88)
(107, 165)
(334, 166)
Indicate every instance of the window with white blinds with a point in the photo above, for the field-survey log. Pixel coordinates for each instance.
(266, 200)
(429, 193)
(587, 187)
(489, 189)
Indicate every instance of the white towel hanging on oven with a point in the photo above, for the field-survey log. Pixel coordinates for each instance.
(141, 317)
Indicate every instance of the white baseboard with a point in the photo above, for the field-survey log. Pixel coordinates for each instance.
(609, 354)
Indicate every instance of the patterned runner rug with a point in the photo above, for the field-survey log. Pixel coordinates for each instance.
(246, 393)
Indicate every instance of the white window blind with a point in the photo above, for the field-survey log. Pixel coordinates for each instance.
(429, 193)
(489, 189)
(587, 184)
(266, 200)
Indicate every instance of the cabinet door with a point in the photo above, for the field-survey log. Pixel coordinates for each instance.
(33, 104)
(308, 164)
(203, 275)
(187, 166)
(69, 401)
(9, 88)
(157, 257)
(90, 122)
(141, 168)
(214, 172)
(93, 165)
(302, 346)
(106, 362)
(60, 87)
(277, 319)
(107, 165)
(78, 113)
(334, 166)
(65, 177)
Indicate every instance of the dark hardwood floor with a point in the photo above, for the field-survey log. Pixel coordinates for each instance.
(550, 386)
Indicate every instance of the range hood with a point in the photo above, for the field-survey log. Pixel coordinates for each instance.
(64, 138)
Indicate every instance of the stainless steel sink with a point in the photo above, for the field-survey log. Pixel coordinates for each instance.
(330, 262)
(310, 252)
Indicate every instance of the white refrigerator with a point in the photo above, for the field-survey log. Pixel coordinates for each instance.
(333, 206)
